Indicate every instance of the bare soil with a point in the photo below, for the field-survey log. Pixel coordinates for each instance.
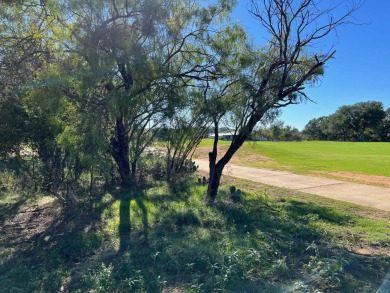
(19, 229)
(371, 251)
(203, 153)
(362, 178)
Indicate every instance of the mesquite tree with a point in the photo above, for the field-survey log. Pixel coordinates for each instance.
(291, 60)
(137, 54)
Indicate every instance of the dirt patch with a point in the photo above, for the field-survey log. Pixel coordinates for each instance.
(370, 251)
(203, 152)
(358, 178)
(29, 222)
(240, 158)
(251, 158)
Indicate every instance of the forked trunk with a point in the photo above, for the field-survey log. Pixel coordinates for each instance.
(215, 174)
(216, 168)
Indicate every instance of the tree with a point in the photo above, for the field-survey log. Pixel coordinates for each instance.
(14, 127)
(358, 122)
(277, 131)
(315, 129)
(283, 68)
(223, 98)
(21, 50)
(385, 127)
(26, 48)
(25, 43)
(364, 121)
(338, 125)
(137, 55)
(290, 134)
(366, 118)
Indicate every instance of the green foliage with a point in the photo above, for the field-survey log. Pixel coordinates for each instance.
(181, 137)
(102, 77)
(277, 131)
(364, 121)
(101, 279)
(14, 126)
(9, 181)
(154, 165)
(82, 71)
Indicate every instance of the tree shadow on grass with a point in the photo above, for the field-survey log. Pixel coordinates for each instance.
(299, 209)
(44, 240)
(126, 196)
(254, 215)
(303, 247)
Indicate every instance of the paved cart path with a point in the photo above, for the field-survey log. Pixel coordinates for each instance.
(366, 195)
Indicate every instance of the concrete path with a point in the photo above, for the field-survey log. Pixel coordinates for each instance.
(366, 195)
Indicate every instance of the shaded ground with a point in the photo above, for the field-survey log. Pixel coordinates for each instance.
(159, 240)
(28, 222)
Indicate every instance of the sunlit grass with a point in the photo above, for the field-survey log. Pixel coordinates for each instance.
(309, 156)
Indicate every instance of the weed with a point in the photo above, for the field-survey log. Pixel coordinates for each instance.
(9, 182)
(101, 279)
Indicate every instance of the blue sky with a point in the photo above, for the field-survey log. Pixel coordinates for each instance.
(359, 72)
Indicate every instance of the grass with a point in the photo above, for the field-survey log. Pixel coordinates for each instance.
(313, 156)
(163, 238)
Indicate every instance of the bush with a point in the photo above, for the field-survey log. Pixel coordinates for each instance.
(152, 165)
(9, 182)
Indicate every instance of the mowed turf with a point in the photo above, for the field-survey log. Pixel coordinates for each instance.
(311, 156)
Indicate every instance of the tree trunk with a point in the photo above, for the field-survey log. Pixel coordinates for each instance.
(217, 168)
(120, 152)
(214, 182)
(133, 170)
(215, 175)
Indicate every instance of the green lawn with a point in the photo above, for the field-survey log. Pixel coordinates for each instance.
(305, 157)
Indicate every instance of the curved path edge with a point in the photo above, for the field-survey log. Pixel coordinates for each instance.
(366, 195)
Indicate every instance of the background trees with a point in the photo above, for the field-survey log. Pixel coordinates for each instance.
(315, 129)
(385, 126)
(277, 131)
(365, 121)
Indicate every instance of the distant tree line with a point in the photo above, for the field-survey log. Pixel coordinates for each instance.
(364, 121)
(277, 131)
